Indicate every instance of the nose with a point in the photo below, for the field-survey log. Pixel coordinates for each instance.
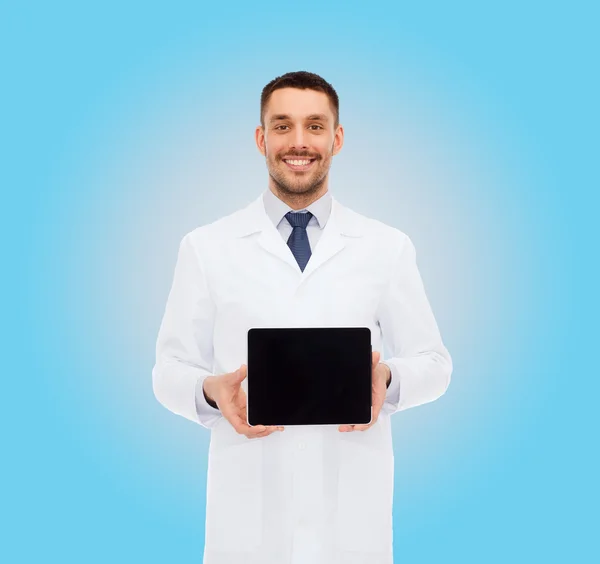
(298, 140)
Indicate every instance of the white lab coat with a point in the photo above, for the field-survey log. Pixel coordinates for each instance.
(309, 494)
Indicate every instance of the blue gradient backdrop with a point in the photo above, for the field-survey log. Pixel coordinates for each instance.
(470, 126)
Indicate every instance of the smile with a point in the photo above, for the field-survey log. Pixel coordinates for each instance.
(299, 164)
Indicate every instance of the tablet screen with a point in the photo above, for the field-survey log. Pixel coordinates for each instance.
(309, 376)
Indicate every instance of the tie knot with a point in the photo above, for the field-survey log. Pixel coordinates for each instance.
(298, 219)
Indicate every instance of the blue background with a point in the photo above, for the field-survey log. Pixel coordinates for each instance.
(470, 126)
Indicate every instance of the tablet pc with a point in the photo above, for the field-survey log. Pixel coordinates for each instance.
(309, 376)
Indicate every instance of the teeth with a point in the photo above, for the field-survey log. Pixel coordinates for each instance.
(298, 163)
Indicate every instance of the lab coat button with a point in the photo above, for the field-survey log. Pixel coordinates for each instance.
(301, 445)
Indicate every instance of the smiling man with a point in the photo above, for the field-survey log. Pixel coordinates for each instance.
(296, 257)
(299, 134)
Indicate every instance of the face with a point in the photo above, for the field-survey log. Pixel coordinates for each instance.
(299, 140)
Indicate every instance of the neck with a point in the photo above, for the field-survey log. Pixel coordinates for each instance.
(299, 201)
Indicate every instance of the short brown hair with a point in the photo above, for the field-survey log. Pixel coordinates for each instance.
(303, 80)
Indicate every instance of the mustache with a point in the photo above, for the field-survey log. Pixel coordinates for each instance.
(300, 155)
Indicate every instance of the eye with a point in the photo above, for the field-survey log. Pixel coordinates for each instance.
(317, 126)
(280, 126)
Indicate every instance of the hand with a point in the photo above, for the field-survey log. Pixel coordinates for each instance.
(379, 376)
(226, 391)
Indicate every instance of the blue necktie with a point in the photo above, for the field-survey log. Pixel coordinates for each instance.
(298, 241)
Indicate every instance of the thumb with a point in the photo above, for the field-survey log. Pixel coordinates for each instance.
(234, 378)
(376, 357)
(240, 373)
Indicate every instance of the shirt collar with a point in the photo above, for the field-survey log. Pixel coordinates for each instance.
(276, 208)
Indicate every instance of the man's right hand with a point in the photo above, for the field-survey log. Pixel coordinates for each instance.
(226, 391)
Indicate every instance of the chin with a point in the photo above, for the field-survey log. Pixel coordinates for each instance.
(302, 189)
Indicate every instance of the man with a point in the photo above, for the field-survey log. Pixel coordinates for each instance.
(296, 257)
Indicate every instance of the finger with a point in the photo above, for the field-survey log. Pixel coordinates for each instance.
(237, 416)
(241, 400)
(244, 415)
(265, 433)
(349, 428)
(261, 431)
(268, 428)
(240, 403)
(237, 376)
(240, 425)
(375, 359)
(257, 435)
(376, 412)
(365, 426)
(234, 379)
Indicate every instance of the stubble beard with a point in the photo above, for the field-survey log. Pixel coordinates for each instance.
(303, 188)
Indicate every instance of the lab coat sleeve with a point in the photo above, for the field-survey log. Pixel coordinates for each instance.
(420, 364)
(392, 395)
(184, 348)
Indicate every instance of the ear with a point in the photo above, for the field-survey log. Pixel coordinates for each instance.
(338, 140)
(259, 137)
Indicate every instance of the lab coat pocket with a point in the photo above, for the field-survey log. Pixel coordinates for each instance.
(365, 496)
(234, 497)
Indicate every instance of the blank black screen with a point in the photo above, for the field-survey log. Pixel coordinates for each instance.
(309, 376)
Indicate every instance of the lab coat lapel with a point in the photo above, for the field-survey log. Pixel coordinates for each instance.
(272, 242)
(333, 238)
(330, 243)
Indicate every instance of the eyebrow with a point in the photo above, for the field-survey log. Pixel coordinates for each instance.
(311, 117)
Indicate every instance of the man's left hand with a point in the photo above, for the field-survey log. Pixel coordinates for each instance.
(379, 376)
